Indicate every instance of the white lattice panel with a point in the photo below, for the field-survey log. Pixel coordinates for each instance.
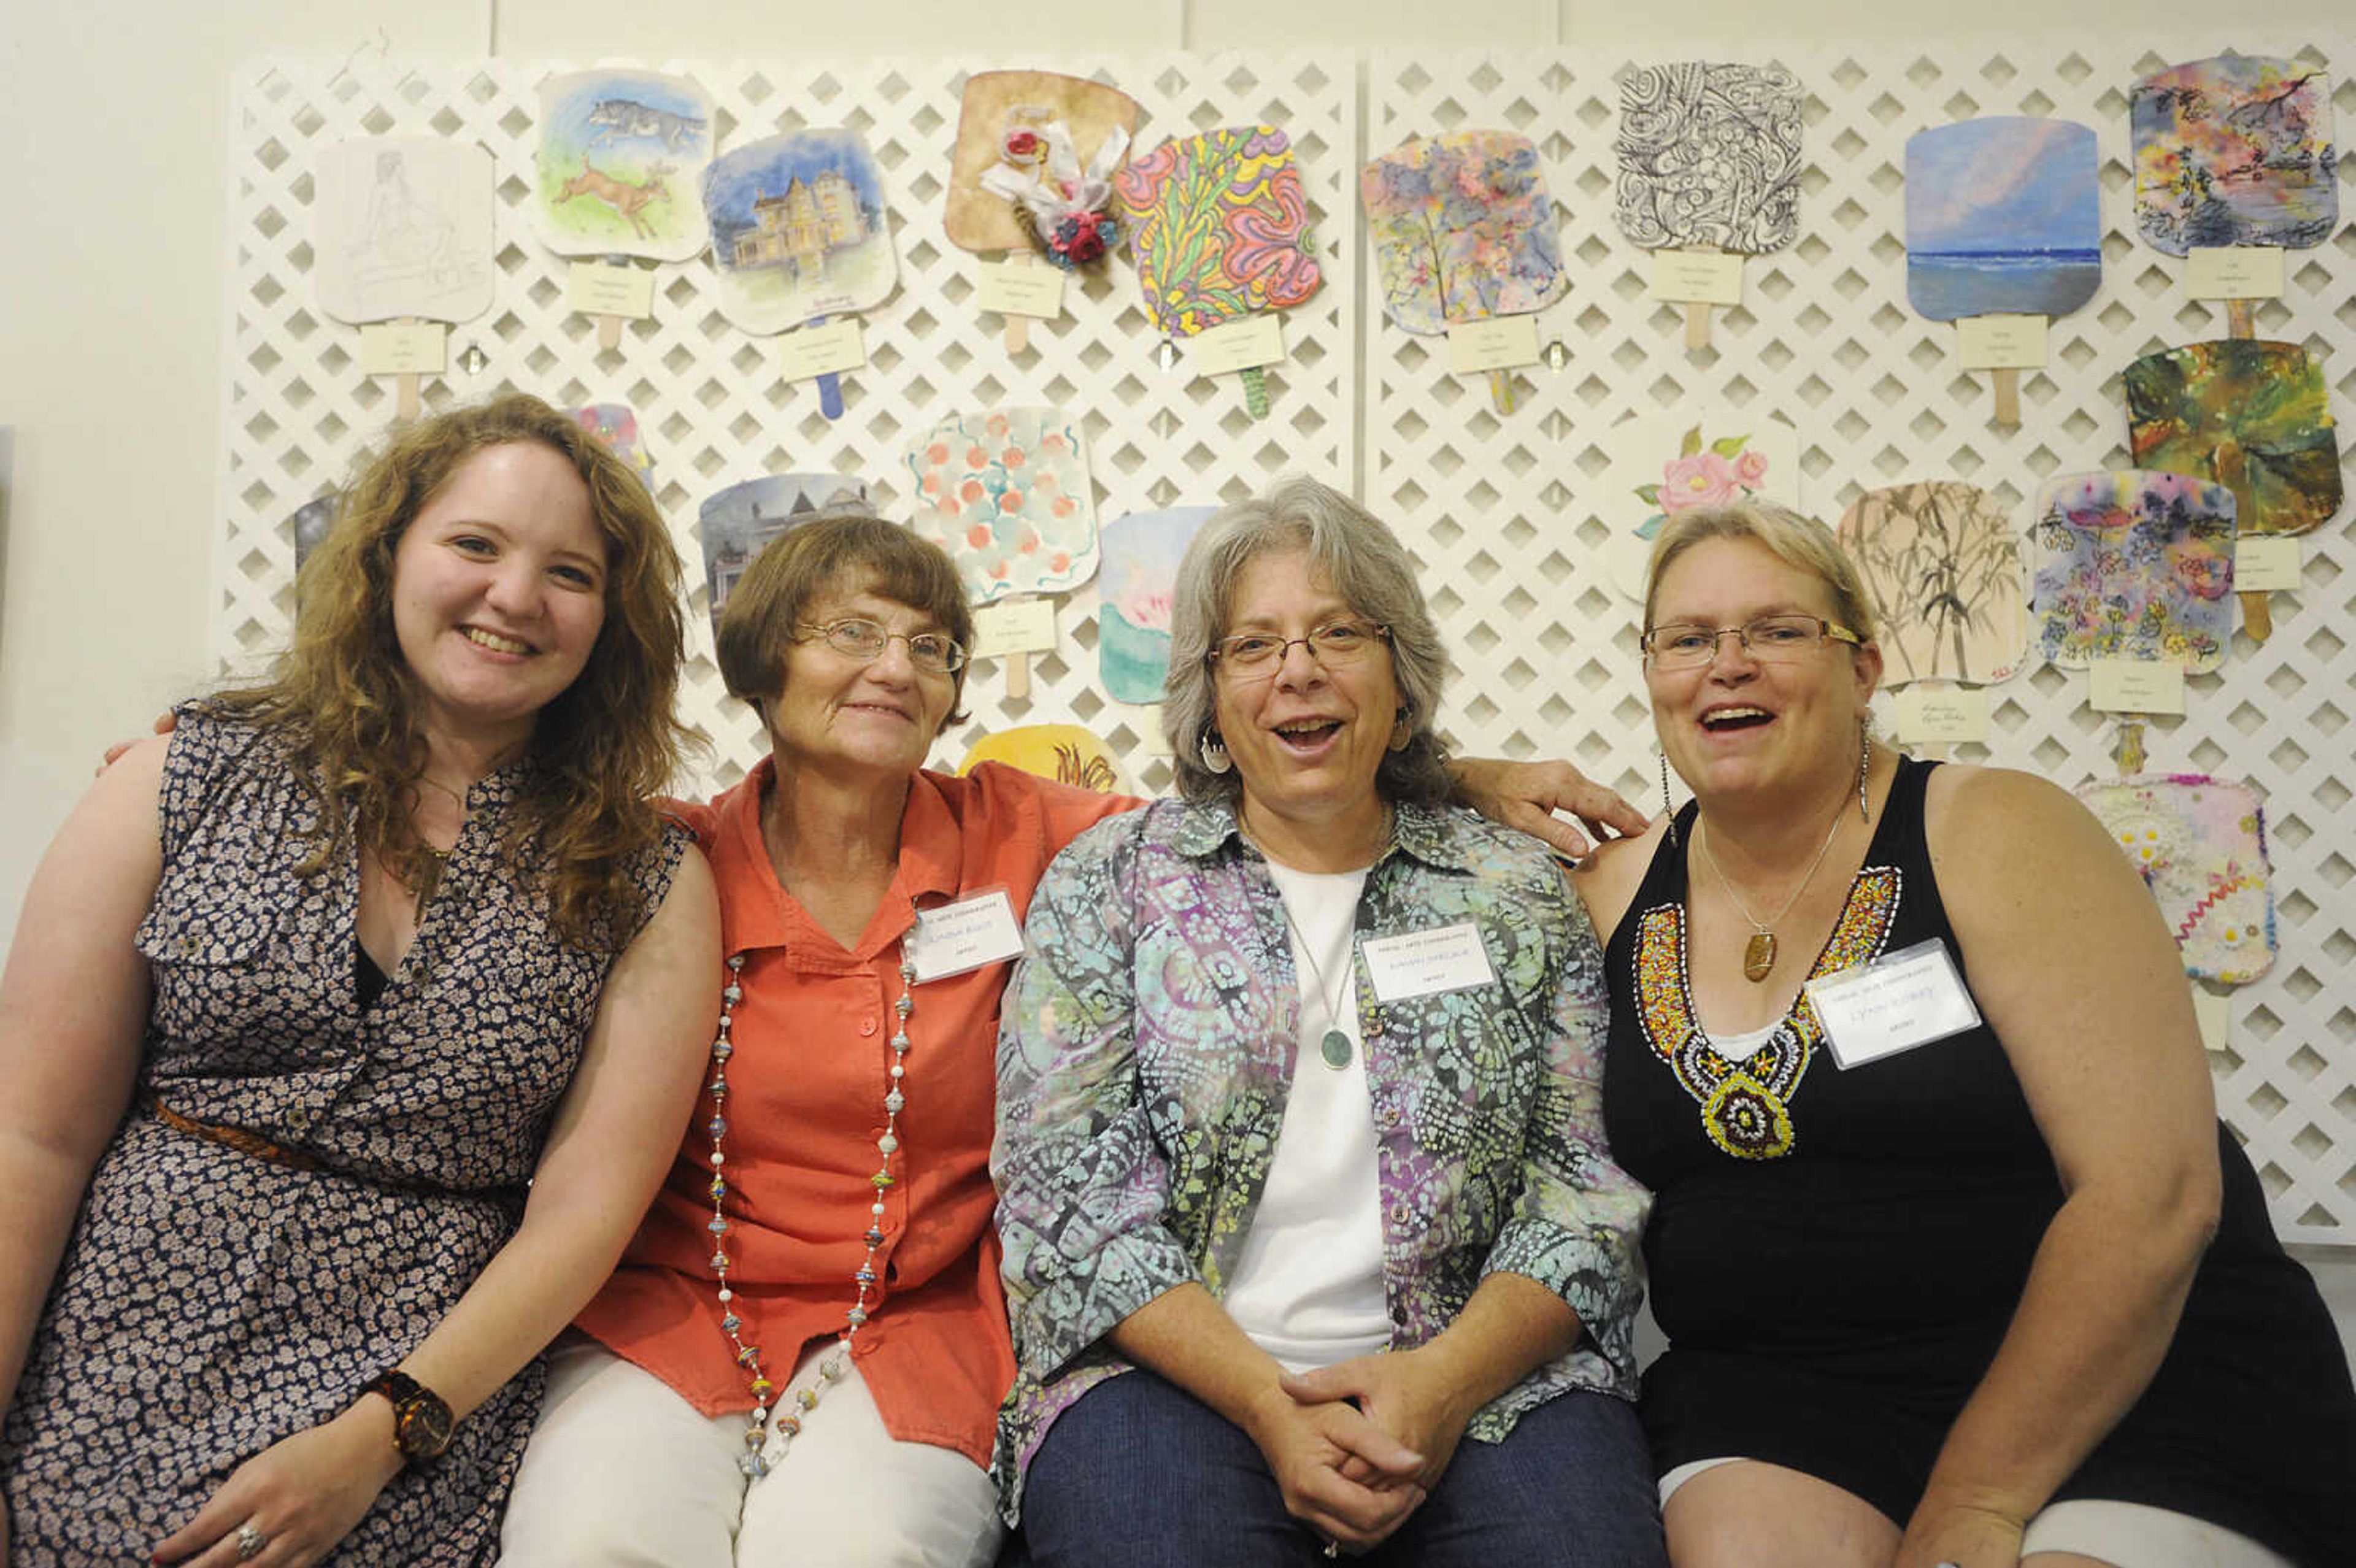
(1501, 508)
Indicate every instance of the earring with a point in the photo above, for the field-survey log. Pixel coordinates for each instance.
(1669, 806)
(1864, 770)
(1214, 753)
(1402, 731)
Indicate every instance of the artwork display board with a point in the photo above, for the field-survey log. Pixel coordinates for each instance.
(1503, 512)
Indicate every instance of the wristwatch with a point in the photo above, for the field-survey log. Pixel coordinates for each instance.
(421, 1420)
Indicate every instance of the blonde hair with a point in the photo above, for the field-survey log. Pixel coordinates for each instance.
(1801, 542)
(346, 701)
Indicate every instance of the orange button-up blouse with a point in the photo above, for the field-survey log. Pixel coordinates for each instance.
(806, 1105)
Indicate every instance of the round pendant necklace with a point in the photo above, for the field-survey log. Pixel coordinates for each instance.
(1759, 953)
(755, 1461)
(1335, 1049)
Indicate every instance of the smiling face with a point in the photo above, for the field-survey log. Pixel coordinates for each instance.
(1306, 738)
(1737, 723)
(499, 593)
(834, 712)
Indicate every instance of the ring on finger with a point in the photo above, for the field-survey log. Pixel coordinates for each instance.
(1332, 1549)
(250, 1542)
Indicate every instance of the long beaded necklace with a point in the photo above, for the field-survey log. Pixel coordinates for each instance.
(755, 1461)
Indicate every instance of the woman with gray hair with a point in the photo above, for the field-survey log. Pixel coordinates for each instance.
(1300, 1158)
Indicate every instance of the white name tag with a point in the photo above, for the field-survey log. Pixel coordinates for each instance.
(1425, 962)
(955, 937)
(1897, 1002)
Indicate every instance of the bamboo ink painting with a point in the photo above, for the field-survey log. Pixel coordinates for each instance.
(1662, 465)
(2234, 151)
(404, 229)
(800, 231)
(1710, 157)
(2200, 845)
(621, 155)
(2134, 564)
(1134, 586)
(1941, 566)
(736, 523)
(2003, 218)
(1462, 229)
(1007, 495)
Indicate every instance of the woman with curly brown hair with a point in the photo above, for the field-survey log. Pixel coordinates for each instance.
(348, 1030)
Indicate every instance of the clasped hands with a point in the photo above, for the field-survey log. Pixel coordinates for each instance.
(1355, 1447)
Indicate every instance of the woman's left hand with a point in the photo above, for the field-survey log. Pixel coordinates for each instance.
(301, 1495)
(1401, 1392)
(1959, 1534)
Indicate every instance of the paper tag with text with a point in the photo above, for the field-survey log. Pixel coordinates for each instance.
(405, 348)
(1425, 962)
(1898, 1001)
(1498, 344)
(2267, 563)
(1017, 288)
(1239, 344)
(2234, 272)
(820, 350)
(951, 938)
(2001, 342)
(1942, 716)
(594, 288)
(2135, 686)
(1023, 625)
(1695, 277)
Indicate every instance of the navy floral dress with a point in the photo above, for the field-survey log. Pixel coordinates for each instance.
(211, 1302)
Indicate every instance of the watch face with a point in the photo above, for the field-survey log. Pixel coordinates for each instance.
(424, 1428)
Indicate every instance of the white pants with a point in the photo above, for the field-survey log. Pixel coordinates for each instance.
(621, 1471)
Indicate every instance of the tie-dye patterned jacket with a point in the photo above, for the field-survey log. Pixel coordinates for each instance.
(1144, 1059)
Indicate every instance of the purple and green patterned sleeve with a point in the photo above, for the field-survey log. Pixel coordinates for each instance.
(1082, 1182)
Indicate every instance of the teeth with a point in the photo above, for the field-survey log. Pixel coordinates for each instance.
(1716, 714)
(494, 642)
(1305, 727)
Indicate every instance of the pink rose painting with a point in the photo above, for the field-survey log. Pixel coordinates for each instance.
(1666, 463)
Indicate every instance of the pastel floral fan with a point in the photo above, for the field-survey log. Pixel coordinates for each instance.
(1217, 226)
(2200, 844)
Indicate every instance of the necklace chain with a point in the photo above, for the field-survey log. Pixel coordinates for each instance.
(755, 1461)
(1759, 953)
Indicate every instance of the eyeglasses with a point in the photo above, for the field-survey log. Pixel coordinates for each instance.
(936, 653)
(1770, 639)
(1338, 642)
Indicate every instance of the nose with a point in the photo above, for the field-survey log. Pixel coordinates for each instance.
(1306, 672)
(515, 589)
(1740, 658)
(895, 663)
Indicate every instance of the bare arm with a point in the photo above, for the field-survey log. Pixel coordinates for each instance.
(2075, 972)
(1525, 797)
(613, 1137)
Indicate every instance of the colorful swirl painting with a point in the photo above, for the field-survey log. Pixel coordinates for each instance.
(2132, 564)
(2234, 151)
(1007, 495)
(1709, 155)
(2201, 846)
(1464, 229)
(1216, 223)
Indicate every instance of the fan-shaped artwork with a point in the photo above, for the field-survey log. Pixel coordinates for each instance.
(1464, 229)
(2132, 564)
(2003, 218)
(737, 523)
(2201, 846)
(620, 162)
(798, 229)
(2254, 417)
(1007, 495)
(616, 424)
(2234, 151)
(1054, 139)
(1218, 223)
(404, 229)
(1666, 463)
(1709, 155)
(1064, 752)
(1941, 565)
(1134, 588)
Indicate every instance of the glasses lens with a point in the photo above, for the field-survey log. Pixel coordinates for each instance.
(934, 652)
(1344, 642)
(1774, 637)
(1250, 651)
(1682, 645)
(860, 639)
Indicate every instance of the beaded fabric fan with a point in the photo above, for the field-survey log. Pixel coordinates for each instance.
(2201, 846)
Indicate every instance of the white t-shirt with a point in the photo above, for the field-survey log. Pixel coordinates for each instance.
(1308, 1286)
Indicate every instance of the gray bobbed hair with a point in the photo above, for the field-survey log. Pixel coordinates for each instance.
(1365, 565)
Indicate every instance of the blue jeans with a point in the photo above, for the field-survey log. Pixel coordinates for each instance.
(1140, 1474)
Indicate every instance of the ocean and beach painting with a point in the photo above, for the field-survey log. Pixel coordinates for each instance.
(2234, 151)
(2134, 564)
(1136, 578)
(2003, 218)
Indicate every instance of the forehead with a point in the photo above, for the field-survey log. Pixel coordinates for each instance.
(1276, 581)
(1729, 579)
(857, 594)
(525, 488)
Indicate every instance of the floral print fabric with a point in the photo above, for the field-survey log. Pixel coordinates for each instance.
(1145, 1059)
(2201, 846)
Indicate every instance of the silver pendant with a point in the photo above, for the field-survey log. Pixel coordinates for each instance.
(1335, 1050)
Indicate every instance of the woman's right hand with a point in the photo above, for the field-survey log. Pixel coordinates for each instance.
(1316, 1452)
(165, 722)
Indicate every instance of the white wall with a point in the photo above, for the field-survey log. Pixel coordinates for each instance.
(113, 268)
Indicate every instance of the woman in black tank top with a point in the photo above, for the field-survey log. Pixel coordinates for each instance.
(1965, 1269)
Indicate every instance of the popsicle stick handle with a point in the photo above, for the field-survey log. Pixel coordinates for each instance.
(1501, 391)
(1018, 677)
(1255, 391)
(2129, 753)
(2257, 617)
(2241, 318)
(1018, 328)
(2233, 473)
(405, 404)
(609, 332)
(2007, 398)
(1696, 325)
